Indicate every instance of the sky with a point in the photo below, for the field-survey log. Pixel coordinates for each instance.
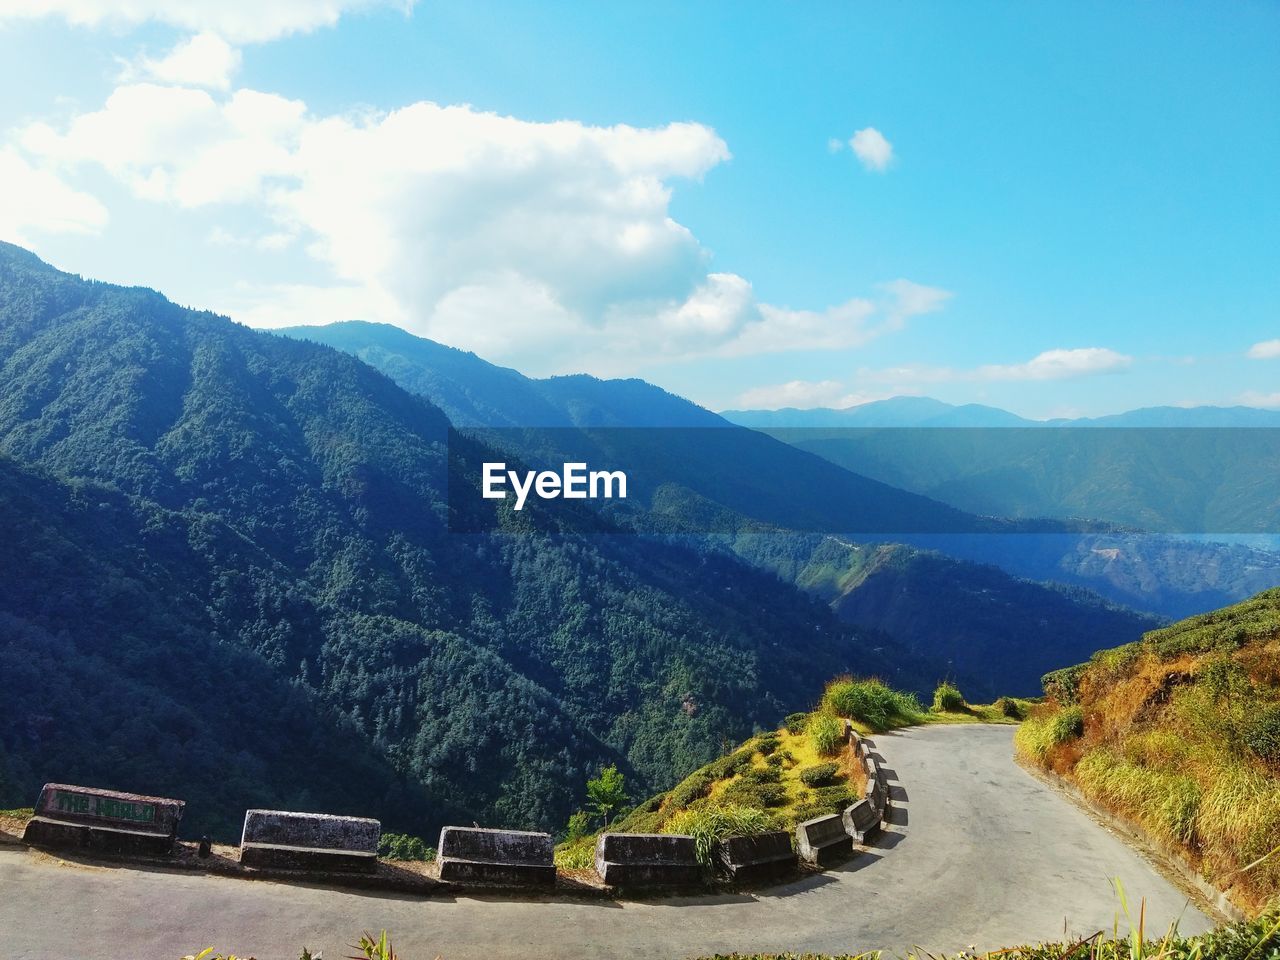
(1061, 209)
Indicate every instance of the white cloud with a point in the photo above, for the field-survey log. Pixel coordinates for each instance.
(1049, 365)
(240, 21)
(872, 149)
(205, 60)
(286, 304)
(38, 200)
(1058, 365)
(550, 244)
(1266, 350)
(805, 394)
(179, 144)
(1253, 398)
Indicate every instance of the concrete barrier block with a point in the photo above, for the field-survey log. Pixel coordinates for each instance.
(106, 821)
(647, 860)
(287, 840)
(824, 840)
(754, 859)
(506, 857)
(862, 820)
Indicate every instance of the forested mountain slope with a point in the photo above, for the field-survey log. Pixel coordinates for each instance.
(288, 502)
(575, 417)
(114, 671)
(996, 631)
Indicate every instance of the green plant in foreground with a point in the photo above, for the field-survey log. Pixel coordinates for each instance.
(371, 949)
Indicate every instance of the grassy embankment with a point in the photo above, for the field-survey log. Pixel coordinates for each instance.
(1257, 939)
(1180, 732)
(778, 779)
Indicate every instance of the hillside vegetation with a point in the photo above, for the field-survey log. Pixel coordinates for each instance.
(1181, 733)
(1257, 939)
(780, 778)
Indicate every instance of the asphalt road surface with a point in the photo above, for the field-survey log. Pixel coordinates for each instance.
(981, 854)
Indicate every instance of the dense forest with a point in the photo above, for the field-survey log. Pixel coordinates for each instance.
(231, 577)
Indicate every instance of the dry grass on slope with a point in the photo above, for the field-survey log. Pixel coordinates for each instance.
(1180, 733)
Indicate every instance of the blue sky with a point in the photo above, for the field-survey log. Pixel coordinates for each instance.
(1058, 209)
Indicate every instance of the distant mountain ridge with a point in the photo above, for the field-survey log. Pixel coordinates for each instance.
(911, 411)
(1166, 576)
(661, 437)
(473, 392)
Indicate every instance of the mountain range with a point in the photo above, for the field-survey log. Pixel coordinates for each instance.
(226, 543)
(911, 411)
(242, 581)
(1167, 576)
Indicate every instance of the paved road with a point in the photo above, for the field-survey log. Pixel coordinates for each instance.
(982, 854)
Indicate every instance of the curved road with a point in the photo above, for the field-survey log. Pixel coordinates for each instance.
(981, 854)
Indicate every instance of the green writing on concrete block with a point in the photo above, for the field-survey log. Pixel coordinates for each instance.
(107, 808)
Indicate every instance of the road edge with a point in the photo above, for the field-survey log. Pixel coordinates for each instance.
(1169, 861)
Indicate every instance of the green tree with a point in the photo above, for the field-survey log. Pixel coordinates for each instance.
(607, 792)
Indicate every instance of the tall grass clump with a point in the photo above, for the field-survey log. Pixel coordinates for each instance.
(1043, 731)
(710, 824)
(1166, 803)
(826, 733)
(873, 703)
(947, 698)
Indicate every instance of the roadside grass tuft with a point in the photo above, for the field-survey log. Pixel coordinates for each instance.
(873, 703)
(947, 698)
(710, 824)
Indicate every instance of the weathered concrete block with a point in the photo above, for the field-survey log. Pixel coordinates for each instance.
(823, 840)
(106, 821)
(508, 857)
(877, 796)
(286, 840)
(765, 856)
(856, 745)
(862, 820)
(647, 860)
